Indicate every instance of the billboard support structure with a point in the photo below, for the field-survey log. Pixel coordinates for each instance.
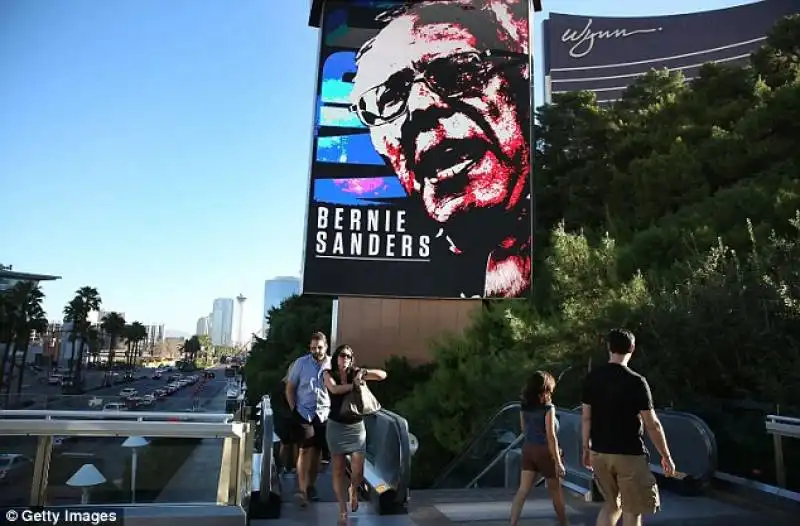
(533, 6)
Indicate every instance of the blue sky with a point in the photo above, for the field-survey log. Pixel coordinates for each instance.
(158, 150)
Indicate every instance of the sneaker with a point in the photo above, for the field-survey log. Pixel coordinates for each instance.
(312, 493)
(300, 499)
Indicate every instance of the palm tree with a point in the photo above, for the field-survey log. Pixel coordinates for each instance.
(113, 324)
(35, 322)
(8, 313)
(93, 343)
(135, 333)
(86, 300)
(190, 348)
(139, 336)
(20, 314)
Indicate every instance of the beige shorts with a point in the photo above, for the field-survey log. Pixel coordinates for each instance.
(627, 480)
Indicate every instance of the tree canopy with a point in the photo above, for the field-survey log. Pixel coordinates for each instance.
(290, 326)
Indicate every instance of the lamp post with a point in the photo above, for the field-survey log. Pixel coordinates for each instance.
(134, 443)
(85, 478)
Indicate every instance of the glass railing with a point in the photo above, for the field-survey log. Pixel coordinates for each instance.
(501, 431)
(492, 459)
(121, 458)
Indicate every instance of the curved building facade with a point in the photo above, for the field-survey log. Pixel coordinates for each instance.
(605, 55)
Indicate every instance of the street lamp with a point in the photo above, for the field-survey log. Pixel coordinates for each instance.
(134, 443)
(85, 478)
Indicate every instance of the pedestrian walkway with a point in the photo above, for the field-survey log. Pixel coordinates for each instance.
(197, 479)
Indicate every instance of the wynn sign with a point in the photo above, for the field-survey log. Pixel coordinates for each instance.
(605, 55)
(581, 41)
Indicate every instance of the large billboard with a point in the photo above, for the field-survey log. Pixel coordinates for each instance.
(421, 159)
(605, 55)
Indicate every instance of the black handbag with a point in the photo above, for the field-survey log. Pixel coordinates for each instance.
(359, 402)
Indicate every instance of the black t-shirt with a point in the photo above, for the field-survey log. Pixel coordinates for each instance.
(337, 400)
(617, 394)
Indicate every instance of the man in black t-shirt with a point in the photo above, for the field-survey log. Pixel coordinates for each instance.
(617, 407)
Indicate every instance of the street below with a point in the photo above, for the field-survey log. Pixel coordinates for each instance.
(106, 453)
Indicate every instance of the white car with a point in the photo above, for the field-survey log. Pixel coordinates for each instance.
(127, 392)
(115, 406)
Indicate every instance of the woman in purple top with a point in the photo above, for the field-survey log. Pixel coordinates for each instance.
(540, 451)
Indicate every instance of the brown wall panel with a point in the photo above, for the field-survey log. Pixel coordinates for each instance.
(378, 328)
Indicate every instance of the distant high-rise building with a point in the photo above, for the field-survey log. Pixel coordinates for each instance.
(203, 326)
(222, 322)
(155, 337)
(275, 291)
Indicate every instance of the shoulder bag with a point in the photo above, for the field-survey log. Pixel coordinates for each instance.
(359, 402)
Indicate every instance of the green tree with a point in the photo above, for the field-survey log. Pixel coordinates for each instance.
(86, 300)
(135, 334)
(778, 60)
(290, 326)
(190, 349)
(25, 316)
(113, 324)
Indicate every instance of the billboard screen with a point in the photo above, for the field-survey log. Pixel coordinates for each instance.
(605, 55)
(420, 176)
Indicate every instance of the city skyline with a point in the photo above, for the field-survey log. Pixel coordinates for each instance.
(168, 132)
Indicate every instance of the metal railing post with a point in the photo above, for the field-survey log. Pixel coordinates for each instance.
(41, 468)
(780, 467)
(245, 473)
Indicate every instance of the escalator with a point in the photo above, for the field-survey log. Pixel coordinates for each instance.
(479, 484)
(488, 469)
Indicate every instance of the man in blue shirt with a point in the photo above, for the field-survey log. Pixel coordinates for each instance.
(308, 399)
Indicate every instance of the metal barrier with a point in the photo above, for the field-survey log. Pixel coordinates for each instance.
(387, 465)
(387, 469)
(691, 441)
(233, 486)
(780, 427)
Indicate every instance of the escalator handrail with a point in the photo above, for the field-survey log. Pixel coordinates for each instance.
(496, 460)
(478, 437)
(700, 425)
(404, 462)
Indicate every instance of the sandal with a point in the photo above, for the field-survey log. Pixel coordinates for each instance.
(353, 499)
(300, 499)
(342, 517)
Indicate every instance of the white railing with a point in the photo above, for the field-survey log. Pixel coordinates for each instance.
(780, 427)
(152, 416)
(235, 471)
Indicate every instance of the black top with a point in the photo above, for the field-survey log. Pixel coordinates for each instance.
(617, 394)
(278, 402)
(337, 400)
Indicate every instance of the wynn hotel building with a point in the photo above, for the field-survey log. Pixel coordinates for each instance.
(605, 55)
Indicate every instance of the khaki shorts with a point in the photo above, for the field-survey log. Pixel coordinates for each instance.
(627, 480)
